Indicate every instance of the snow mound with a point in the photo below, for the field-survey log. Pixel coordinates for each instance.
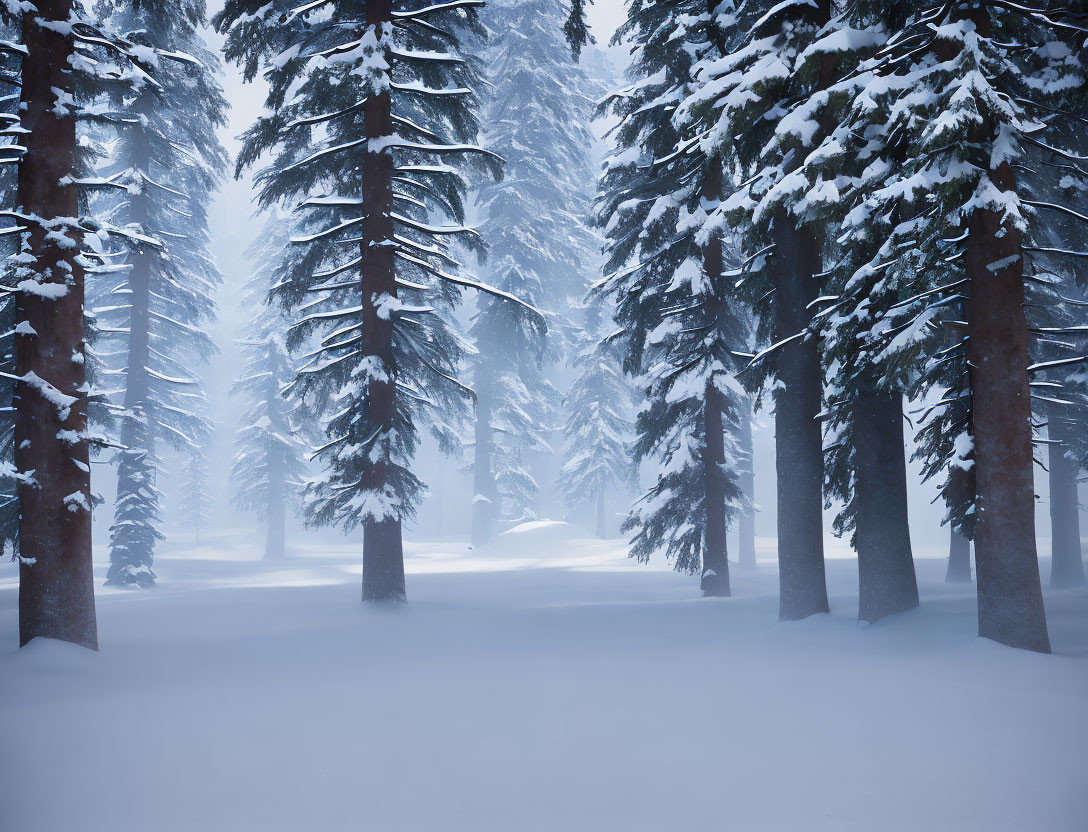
(538, 538)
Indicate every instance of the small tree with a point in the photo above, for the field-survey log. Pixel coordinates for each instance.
(269, 460)
(599, 429)
(195, 503)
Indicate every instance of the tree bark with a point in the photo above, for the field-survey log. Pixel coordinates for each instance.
(383, 553)
(886, 580)
(715, 579)
(485, 497)
(56, 585)
(798, 443)
(1066, 561)
(602, 524)
(1010, 598)
(746, 525)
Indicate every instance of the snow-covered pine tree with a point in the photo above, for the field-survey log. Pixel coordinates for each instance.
(70, 64)
(535, 224)
(270, 455)
(939, 149)
(760, 103)
(169, 160)
(597, 456)
(373, 121)
(673, 296)
(194, 499)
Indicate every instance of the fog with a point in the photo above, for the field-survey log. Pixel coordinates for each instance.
(788, 203)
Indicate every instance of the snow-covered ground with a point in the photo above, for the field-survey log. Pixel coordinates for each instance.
(543, 682)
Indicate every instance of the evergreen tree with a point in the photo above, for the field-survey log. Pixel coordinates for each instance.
(941, 214)
(540, 247)
(70, 64)
(269, 461)
(757, 104)
(597, 457)
(169, 160)
(674, 298)
(195, 502)
(372, 119)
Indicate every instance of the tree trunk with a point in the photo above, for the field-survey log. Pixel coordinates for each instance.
(715, 580)
(132, 537)
(56, 584)
(715, 576)
(798, 443)
(602, 524)
(485, 496)
(959, 558)
(275, 545)
(383, 553)
(959, 546)
(886, 579)
(1066, 562)
(746, 526)
(1010, 598)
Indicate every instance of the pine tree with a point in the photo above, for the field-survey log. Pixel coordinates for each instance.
(598, 432)
(674, 297)
(372, 121)
(540, 247)
(759, 104)
(195, 502)
(169, 160)
(69, 65)
(943, 215)
(269, 461)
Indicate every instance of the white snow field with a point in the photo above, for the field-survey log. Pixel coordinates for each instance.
(543, 682)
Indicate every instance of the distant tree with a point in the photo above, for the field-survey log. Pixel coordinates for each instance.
(599, 430)
(535, 223)
(269, 460)
(158, 302)
(195, 501)
(371, 124)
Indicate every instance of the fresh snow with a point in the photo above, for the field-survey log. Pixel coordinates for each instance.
(541, 682)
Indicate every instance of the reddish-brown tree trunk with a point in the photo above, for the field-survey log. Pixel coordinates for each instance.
(56, 586)
(383, 553)
(1010, 597)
